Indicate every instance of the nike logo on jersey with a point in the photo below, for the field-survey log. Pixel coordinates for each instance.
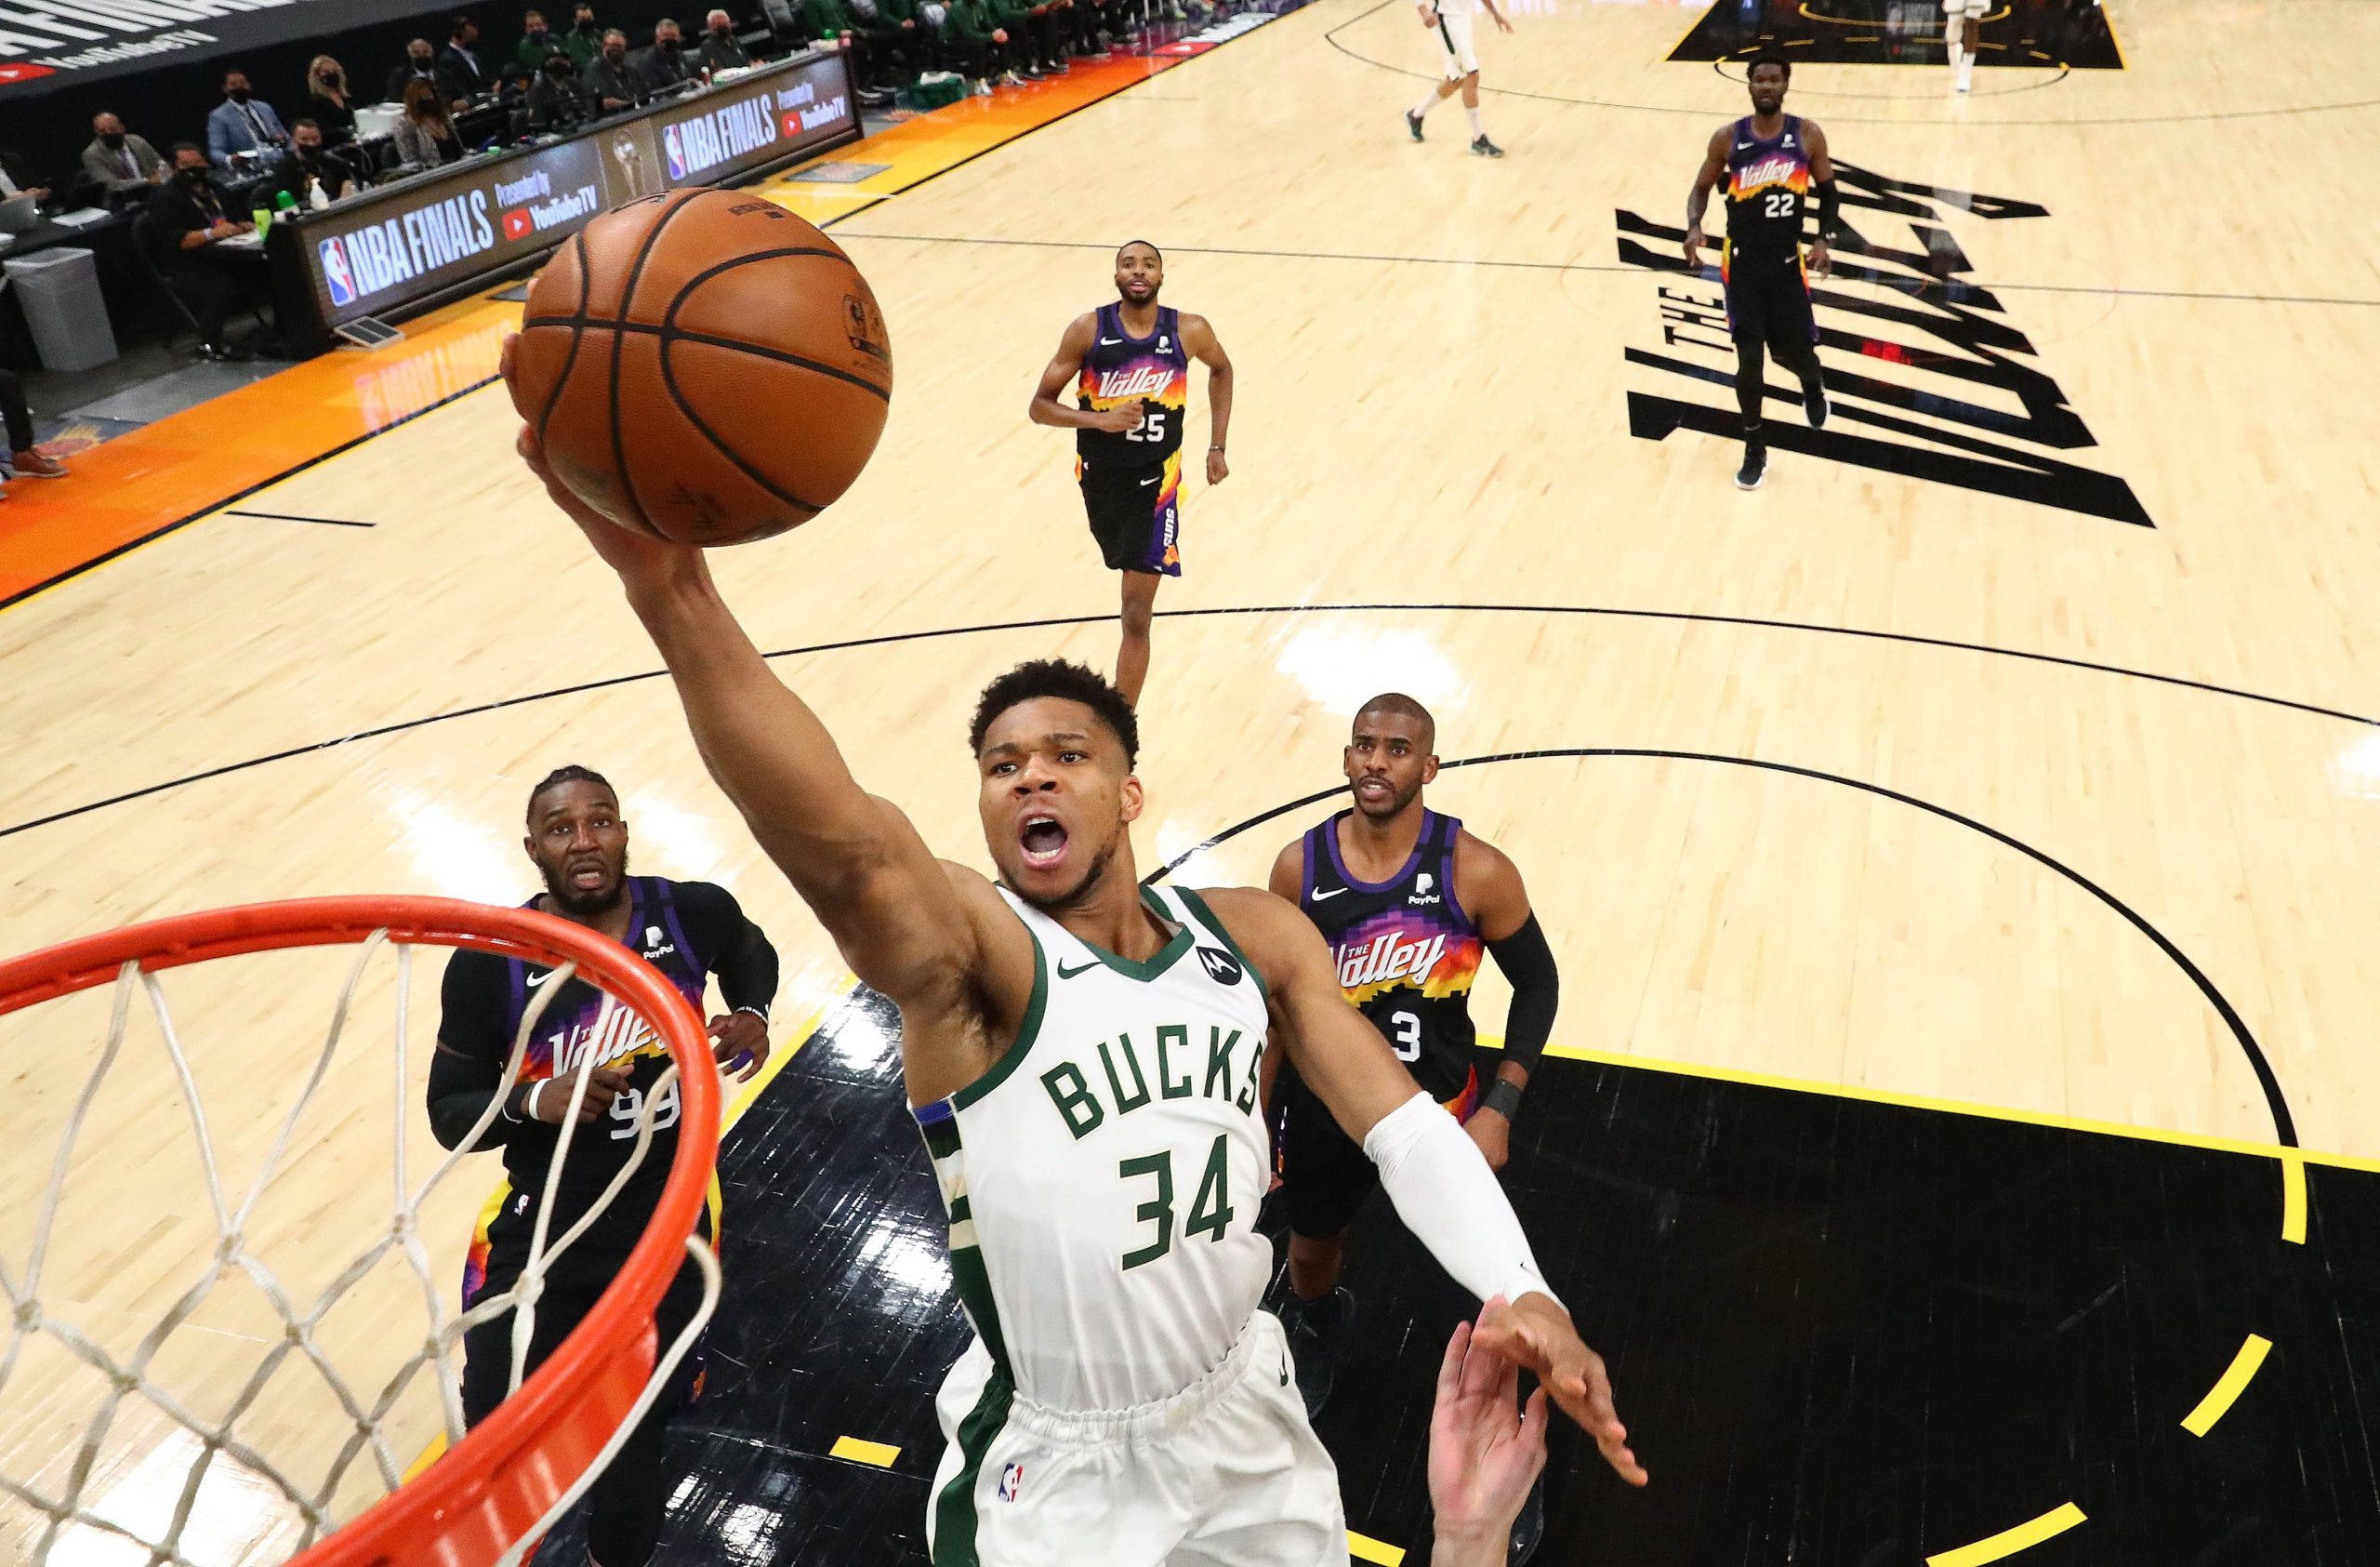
(1318, 895)
(1109, 342)
(1065, 972)
(1146, 483)
(1743, 146)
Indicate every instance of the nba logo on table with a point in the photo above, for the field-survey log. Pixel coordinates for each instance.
(335, 277)
(677, 152)
(1011, 1480)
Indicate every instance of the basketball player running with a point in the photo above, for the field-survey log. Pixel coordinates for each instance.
(1963, 34)
(1772, 160)
(1450, 20)
(1130, 364)
(1406, 899)
(579, 844)
(1081, 1056)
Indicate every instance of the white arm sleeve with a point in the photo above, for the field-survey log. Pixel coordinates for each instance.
(1449, 1198)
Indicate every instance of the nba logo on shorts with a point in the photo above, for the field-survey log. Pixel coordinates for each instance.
(1011, 1480)
(335, 277)
(677, 152)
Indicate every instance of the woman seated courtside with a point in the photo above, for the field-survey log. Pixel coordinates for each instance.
(425, 135)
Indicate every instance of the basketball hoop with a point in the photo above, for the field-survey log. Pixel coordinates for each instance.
(501, 1485)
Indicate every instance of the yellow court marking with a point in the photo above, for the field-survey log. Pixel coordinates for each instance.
(1363, 1548)
(2292, 1197)
(877, 1452)
(2229, 1386)
(2008, 1542)
(1964, 1107)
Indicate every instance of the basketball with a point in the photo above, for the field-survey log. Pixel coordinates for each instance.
(704, 366)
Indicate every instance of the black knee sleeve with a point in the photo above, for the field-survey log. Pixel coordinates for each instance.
(1749, 379)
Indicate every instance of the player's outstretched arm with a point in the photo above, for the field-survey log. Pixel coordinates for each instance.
(1441, 1187)
(1714, 163)
(1061, 369)
(1208, 348)
(855, 859)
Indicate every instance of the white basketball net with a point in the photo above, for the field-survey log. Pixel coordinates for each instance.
(310, 1496)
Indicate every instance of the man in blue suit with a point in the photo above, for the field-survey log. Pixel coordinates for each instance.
(241, 123)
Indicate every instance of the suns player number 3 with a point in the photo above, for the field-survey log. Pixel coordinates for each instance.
(1210, 1213)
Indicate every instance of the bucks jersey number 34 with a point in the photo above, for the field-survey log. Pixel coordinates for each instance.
(1101, 1180)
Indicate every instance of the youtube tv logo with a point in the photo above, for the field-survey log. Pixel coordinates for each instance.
(25, 70)
(791, 122)
(518, 224)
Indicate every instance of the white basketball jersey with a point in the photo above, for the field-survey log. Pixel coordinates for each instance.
(1102, 1178)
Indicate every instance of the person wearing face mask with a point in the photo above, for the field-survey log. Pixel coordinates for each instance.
(663, 65)
(425, 135)
(185, 222)
(420, 64)
(118, 162)
(585, 40)
(241, 123)
(326, 101)
(309, 166)
(720, 50)
(460, 58)
(607, 79)
(536, 43)
(556, 104)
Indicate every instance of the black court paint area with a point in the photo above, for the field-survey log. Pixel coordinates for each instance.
(1844, 1334)
(2073, 33)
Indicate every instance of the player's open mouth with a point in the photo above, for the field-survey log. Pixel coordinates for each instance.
(586, 877)
(1044, 841)
(1372, 788)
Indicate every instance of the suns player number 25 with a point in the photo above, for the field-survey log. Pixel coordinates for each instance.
(1151, 428)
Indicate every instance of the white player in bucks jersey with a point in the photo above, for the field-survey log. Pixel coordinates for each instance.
(1082, 1058)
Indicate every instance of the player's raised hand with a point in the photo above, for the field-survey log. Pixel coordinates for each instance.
(1485, 1450)
(1539, 1334)
(1695, 241)
(740, 1036)
(634, 555)
(550, 1101)
(1125, 416)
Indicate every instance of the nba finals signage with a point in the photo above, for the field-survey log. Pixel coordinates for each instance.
(1928, 377)
(46, 44)
(376, 252)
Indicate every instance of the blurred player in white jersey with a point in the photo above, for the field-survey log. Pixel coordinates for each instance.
(1961, 30)
(1450, 22)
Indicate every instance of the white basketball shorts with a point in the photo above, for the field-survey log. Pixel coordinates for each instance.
(1454, 39)
(1225, 1473)
(1956, 10)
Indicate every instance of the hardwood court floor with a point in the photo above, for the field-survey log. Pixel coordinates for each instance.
(2014, 748)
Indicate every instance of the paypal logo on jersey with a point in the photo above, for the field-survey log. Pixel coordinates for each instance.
(335, 276)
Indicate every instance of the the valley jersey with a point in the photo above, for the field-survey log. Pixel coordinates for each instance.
(1407, 951)
(1118, 368)
(679, 928)
(1768, 187)
(1102, 1179)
